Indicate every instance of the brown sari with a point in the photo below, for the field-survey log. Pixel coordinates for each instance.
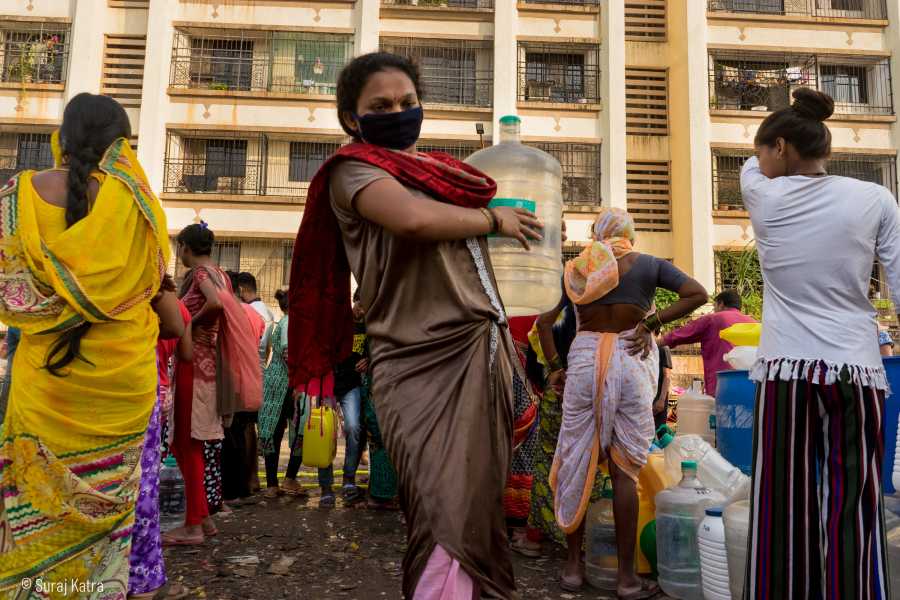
(443, 368)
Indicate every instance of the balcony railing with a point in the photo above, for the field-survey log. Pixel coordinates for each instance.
(23, 151)
(459, 149)
(727, 164)
(859, 85)
(581, 170)
(847, 9)
(470, 4)
(274, 61)
(560, 73)
(198, 162)
(459, 72)
(566, 2)
(33, 52)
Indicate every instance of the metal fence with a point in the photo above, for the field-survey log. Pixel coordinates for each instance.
(859, 85)
(727, 164)
(565, 73)
(581, 170)
(236, 163)
(33, 52)
(473, 4)
(566, 2)
(303, 63)
(848, 9)
(21, 151)
(457, 72)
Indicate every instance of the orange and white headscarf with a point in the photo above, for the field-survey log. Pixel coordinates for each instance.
(595, 272)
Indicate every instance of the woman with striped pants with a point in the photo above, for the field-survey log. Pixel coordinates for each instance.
(817, 526)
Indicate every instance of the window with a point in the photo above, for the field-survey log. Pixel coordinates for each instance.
(33, 152)
(853, 5)
(226, 158)
(566, 73)
(727, 179)
(562, 74)
(227, 255)
(221, 64)
(581, 170)
(34, 56)
(453, 71)
(318, 60)
(846, 84)
(306, 158)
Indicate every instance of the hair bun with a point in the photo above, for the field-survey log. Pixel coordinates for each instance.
(813, 104)
(279, 294)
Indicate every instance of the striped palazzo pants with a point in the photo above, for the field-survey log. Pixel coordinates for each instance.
(816, 518)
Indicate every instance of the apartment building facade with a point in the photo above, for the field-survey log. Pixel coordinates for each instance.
(650, 105)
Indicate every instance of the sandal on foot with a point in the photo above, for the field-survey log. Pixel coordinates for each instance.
(523, 546)
(327, 500)
(272, 492)
(168, 539)
(571, 583)
(649, 589)
(291, 487)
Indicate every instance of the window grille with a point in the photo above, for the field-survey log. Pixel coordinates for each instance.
(564, 73)
(34, 52)
(453, 71)
(848, 9)
(859, 85)
(580, 164)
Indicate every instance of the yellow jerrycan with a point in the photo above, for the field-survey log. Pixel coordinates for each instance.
(320, 437)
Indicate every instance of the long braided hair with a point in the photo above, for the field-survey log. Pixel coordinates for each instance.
(90, 125)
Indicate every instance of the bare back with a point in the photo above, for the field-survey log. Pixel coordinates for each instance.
(52, 186)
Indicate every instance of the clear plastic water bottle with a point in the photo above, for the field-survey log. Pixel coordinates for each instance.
(737, 526)
(172, 502)
(527, 178)
(713, 470)
(601, 558)
(679, 511)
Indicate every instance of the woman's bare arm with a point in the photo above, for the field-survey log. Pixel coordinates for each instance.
(171, 325)
(691, 296)
(390, 205)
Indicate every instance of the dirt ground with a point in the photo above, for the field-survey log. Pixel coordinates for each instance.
(289, 548)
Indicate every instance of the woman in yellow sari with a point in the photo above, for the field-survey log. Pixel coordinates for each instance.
(83, 249)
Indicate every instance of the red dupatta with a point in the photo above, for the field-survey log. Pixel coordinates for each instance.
(320, 329)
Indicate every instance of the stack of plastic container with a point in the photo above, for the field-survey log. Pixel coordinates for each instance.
(713, 556)
(713, 471)
(697, 415)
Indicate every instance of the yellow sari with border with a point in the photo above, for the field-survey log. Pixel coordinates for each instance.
(70, 446)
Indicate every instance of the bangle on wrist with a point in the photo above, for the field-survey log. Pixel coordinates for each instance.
(491, 219)
(498, 222)
(555, 364)
(652, 323)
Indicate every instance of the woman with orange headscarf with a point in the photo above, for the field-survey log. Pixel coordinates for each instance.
(610, 385)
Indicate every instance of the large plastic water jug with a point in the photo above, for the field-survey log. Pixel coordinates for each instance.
(737, 524)
(713, 556)
(528, 178)
(679, 511)
(697, 415)
(735, 402)
(713, 470)
(172, 502)
(601, 558)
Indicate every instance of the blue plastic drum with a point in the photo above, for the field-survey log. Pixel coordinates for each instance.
(891, 414)
(735, 400)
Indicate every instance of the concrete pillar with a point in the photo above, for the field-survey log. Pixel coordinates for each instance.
(367, 22)
(612, 94)
(154, 95)
(86, 47)
(692, 225)
(506, 62)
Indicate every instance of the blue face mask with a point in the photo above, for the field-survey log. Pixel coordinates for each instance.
(397, 130)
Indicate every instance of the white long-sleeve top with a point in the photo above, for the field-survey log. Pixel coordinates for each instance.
(817, 239)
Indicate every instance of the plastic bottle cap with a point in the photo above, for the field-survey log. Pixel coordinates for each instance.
(170, 461)
(664, 435)
(689, 465)
(714, 512)
(510, 120)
